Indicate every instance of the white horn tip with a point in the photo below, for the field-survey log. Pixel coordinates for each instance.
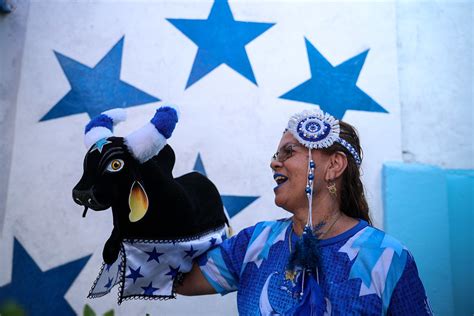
(117, 115)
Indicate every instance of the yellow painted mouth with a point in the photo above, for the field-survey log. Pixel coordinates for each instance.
(138, 202)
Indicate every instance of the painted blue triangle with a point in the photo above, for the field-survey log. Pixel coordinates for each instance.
(235, 204)
(199, 166)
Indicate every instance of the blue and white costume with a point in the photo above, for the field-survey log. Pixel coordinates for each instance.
(363, 272)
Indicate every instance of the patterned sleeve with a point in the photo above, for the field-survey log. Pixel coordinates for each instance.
(221, 265)
(409, 296)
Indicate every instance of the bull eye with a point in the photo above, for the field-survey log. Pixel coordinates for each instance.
(115, 165)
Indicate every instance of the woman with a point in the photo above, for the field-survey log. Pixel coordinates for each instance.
(325, 259)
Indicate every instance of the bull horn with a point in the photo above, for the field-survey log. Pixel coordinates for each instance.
(102, 125)
(149, 140)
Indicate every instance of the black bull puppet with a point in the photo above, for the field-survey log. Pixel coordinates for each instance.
(147, 202)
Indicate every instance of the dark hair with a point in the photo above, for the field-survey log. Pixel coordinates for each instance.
(352, 197)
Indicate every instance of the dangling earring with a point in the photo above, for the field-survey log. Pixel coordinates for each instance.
(332, 189)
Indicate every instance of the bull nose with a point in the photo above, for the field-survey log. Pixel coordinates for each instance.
(80, 196)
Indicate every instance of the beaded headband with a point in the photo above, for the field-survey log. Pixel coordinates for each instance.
(316, 129)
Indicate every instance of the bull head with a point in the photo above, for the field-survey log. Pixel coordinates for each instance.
(112, 174)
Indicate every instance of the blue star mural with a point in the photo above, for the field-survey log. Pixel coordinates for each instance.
(97, 89)
(38, 292)
(233, 204)
(334, 88)
(221, 40)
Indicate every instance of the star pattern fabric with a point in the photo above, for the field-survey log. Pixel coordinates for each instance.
(190, 253)
(134, 274)
(173, 272)
(149, 290)
(334, 89)
(220, 40)
(143, 274)
(38, 292)
(233, 204)
(154, 255)
(97, 89)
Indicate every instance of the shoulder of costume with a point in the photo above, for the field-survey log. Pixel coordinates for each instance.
(373, 238)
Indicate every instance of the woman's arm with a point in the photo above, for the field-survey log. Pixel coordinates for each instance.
(194, 283)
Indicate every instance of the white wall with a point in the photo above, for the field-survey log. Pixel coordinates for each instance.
(435, 51)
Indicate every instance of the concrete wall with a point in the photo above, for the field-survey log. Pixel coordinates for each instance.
(12, 37)
(435, 56)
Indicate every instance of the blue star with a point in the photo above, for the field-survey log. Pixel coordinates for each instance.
(334, 88)
(221, 40)
(233, 204)
(94, 90)
(173, 272)
(191, 252)
(108, 266)
(39, 292)
(148, 290)
(99, 145)
(153, 255)
(213, 241)
(109, 283)
(134, 274)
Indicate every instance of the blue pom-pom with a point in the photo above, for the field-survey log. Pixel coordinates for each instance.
(100, 120)
(165, 120)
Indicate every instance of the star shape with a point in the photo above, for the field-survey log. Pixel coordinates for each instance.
(191, 252)
(213, 241)
(233, 204)
(109, 283)
(153, 255)
(134, 274)
(97, 89)
(99, 145)
(221, 40)
(108, 266)
(148, 290)
(334, 89)
(173, 272)
(39, 292)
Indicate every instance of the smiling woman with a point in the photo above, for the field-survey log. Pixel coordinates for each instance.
(326, 258)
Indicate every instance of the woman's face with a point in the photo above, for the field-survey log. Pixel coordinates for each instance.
(291, 174)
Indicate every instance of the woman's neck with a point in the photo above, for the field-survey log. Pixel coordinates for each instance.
(326, 217)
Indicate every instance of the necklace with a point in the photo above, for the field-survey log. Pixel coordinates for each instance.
(291, 274)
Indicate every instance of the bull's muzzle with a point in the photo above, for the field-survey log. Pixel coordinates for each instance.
(86, 198)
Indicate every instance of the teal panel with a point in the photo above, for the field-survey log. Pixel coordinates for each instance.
(416, 213)
(460, 188)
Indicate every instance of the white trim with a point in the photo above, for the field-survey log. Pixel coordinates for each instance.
(96, 133)
(145, 142)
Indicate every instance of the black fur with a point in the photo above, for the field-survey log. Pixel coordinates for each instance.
(178, 207)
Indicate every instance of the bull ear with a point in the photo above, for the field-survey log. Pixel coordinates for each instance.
(138, 202)
(149, 140)
(102, 126)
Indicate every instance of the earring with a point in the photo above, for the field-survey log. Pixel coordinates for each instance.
(332, 189)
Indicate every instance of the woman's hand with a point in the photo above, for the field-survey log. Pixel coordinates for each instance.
(194, 283)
